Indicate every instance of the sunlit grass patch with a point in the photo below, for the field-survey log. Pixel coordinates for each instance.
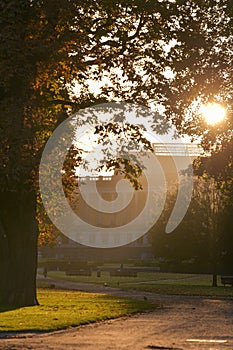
(63, 309)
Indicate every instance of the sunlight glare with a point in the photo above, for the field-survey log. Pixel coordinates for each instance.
(213, 113)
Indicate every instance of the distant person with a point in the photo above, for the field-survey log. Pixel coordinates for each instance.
(45, 271)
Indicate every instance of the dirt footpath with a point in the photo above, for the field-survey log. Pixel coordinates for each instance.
(182, 323)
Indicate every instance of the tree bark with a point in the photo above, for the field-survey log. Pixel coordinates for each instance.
(18, 248)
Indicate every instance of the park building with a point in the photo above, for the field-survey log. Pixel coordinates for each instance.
(172, 160)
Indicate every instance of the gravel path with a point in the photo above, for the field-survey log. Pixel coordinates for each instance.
(182, 323)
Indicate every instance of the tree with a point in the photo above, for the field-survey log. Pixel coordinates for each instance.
(189, 241)
(22, 131)
(218, 168)
(47, 46)
(211, 201)
(200, 236)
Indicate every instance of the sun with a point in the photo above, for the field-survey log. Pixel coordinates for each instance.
(213, 113)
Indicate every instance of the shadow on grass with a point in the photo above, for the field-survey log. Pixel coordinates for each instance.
(5, 308)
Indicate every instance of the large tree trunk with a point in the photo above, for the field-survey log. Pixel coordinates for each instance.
(18, 248)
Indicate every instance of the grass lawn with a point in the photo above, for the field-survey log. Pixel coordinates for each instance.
(116, 281)
(62, 309)
(179, 289)
(157, 282)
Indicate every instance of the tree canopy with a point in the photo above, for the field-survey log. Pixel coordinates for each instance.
(49, 45)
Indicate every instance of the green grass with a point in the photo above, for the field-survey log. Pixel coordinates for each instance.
(183, 289)
(63, 309)
(157, 282)
(115, 281)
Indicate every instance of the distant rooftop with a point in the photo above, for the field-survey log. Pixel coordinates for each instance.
(161, 149)
(177, 149)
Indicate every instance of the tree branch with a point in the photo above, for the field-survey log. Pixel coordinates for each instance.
(140, 24)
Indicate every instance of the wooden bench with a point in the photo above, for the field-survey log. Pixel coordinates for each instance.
(227, 280)
(123, 273)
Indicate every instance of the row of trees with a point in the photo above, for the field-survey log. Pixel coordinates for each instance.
(47, 46)
(203, 241)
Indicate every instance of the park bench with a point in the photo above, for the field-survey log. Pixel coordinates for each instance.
(123, 273)
(78, 268)
(227, 280)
